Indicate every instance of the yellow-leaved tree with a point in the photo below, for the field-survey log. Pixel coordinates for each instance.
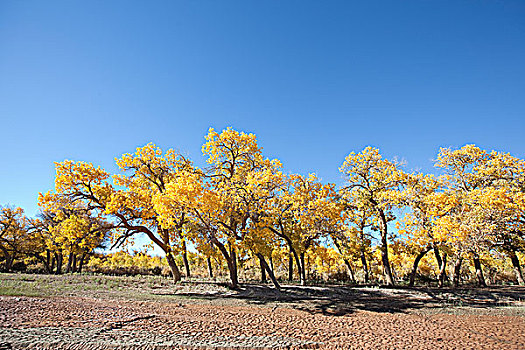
(376, 182)
(225, 199)
(13, 233)
(488, 190)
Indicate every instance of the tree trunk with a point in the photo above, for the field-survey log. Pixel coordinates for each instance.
(47, 264)
(365, 265)
(230, 261)
(53, 261)
(290, 267)
(347, 263)
(438, 257)
(263, 271)
(443, 271)
(74, 265)
(173, 267)
(81, 262)
(185, 260)
(235, 271)
(457, 272)
(60, 261)
(9, 262)
(387, 271)
(303, 271)
(517, 268)
(210, 270)
(439, 261)
(69, 261)
(416, 264)
(265, 266)
(479, 271)
(8, 259)
(350, 270)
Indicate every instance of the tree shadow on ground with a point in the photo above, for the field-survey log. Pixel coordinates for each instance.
(343, 300)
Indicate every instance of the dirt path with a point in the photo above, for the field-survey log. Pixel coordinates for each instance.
(92, 323)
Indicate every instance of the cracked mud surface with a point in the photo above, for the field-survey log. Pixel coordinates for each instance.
(256, 317)
(88, 323)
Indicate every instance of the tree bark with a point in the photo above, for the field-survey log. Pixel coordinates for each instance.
(438, 257)
(457, 272)
(290, 267)
(303, 271)
(230, 261)
(442, 271)
(350, 270)
(235, 271)
(69, 262)
(81, 262)
(60, 261)
(8, 259)
(210, 269)
(416, 264)
(185, 260)
(365, 266)
(517, 268)
(74, 264)
(173, 267)
(9, 262)
(387, 270)
(439, 261)
(47, 264)
(347, 263)
(265, 266)
(53, 261)
(263, 271)
(479, 271)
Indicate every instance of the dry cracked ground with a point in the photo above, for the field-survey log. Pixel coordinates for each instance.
(97, 312)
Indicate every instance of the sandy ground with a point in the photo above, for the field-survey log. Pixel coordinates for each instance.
(261, 318)
(204, 323)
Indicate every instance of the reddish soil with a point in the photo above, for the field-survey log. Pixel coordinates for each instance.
(356, 330)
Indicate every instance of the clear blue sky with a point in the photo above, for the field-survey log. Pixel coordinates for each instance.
(314, 80)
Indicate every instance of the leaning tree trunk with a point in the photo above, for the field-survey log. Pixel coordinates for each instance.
(263, 270)
(300, 269)
(479, 271)
(347, 263)
(365, 265)
(442, 271)
(265, 266)
(230, 261)
(416, 264)
(387, 270)
(517, 268)
(350, 270)
(290, 268)
(175, 272)
(210, 269)
(457, 272)
(185, 260)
